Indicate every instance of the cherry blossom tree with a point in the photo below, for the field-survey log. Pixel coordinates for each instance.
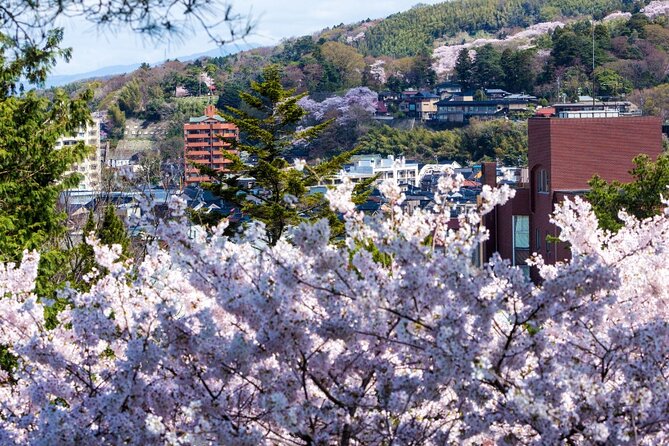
(342, 108)
(393, 336)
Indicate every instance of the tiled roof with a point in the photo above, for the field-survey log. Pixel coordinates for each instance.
(205, 118)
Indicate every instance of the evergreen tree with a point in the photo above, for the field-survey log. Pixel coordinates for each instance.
(280, 197)
(112, 230)
(463, 69)
(519, 75)
(33, 172)
(421, 73)
(487, 69)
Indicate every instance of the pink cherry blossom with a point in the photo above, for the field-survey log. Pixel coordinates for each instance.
(393, 335)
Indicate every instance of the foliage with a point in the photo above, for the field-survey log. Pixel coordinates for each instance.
(464, 69)
(130, 98)
(641, 197)
(611, 83)
(279, 197)
(112, 229)
(487, 70)
(210, 340)
(519, 73)
(33, 170)
(501, 140)
(406, 34)
(345, 61)
(418, 143)
(653, 101)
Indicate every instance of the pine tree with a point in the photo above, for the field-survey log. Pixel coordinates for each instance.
(463, 69)
(112, 230)
(269, 129)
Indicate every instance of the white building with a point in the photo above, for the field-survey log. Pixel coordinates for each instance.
(90, 167)
(368, 166)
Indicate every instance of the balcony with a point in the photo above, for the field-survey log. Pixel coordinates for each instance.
(193, 153)
(197, 144)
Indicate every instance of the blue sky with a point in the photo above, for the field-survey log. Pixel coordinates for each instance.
(277, 19)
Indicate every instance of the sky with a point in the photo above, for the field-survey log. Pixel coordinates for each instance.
(276, 19)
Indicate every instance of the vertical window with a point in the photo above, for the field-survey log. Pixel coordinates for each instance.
(538, 239)
(521, 242)
(542, 180)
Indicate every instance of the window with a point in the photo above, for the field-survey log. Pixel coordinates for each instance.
(538, 239)
(521, 242)
(542, 181)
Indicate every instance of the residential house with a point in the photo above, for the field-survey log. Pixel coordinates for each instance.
(447, 89)
(369, 166)
(426, 105)
(460, 111)
(495, 93)
(422, 105)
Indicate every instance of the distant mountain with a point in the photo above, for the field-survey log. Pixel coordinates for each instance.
(64, 79)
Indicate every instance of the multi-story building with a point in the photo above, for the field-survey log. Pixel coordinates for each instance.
(368, 166)
(563, 155)
(89, 168)
(206, 138)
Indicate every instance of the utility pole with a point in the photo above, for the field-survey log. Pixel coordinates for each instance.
(593, 61)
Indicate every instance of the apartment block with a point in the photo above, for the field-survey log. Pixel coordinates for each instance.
(91, 167)
(206, 138)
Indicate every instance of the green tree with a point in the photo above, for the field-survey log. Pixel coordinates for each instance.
(479, 95)
(519, 75)
(346, 60)
(421, 73)
(280, 198)
(463, 69)
(487, 69)
(611, 83)
(640, 197)
(112, 229)
(117, 121)
(32, 169)
(130, 98)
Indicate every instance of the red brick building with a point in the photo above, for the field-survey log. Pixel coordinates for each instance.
(205, 139)
(563, 155)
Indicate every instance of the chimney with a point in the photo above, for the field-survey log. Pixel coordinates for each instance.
(210, 110)
(489, 172)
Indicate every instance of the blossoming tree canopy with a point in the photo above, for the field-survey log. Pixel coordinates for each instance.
(393, 337)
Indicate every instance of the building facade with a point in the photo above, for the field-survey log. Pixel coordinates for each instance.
(89, 168)
(563, 155)
(206, 138)
(367, 166)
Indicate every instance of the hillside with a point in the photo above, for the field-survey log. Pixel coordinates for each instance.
(540, 47)
(408, 33)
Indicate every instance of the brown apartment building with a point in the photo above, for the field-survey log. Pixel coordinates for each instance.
(205, 140)
(563, 155)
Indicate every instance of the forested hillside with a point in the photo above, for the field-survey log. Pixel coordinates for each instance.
(407, 33)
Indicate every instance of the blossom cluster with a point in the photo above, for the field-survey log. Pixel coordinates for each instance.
(446, 55)
(656, 8)
(341, 108)
(617, 15)
(377, 71)
(392, 335)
